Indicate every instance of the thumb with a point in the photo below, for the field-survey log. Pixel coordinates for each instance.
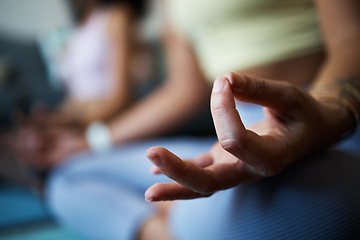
(231, 132)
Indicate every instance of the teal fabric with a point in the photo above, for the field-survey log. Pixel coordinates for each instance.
(43, 232)
(20, 205)
(23, 216)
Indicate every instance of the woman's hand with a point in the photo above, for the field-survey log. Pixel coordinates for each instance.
(41, 144)
(45, 148)
(60, 143)
(295, 125)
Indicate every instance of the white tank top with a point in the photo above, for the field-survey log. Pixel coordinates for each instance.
(86, 67)
(234, 35)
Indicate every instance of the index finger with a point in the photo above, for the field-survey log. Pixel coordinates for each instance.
(231, 132)
(226, 118)
(274, 94)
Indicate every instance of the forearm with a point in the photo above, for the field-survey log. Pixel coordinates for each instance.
(159, 113)
(343, 64)
(338, 84)
(99, 110)
(337, 88)
(184, 92)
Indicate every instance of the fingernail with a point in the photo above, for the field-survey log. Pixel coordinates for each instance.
(154, 158)
(228, 76)
(153, 199)
(219, 84)
(153, 169)
(149, 197)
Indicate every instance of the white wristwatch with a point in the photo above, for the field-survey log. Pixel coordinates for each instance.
(98, 137)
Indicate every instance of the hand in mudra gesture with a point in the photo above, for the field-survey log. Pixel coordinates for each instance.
(294, 126)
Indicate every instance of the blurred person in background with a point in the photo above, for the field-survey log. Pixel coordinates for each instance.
(95, 67)
(310, 52)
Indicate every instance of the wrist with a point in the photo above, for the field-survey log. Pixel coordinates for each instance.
(345, 101)
(341, 114)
